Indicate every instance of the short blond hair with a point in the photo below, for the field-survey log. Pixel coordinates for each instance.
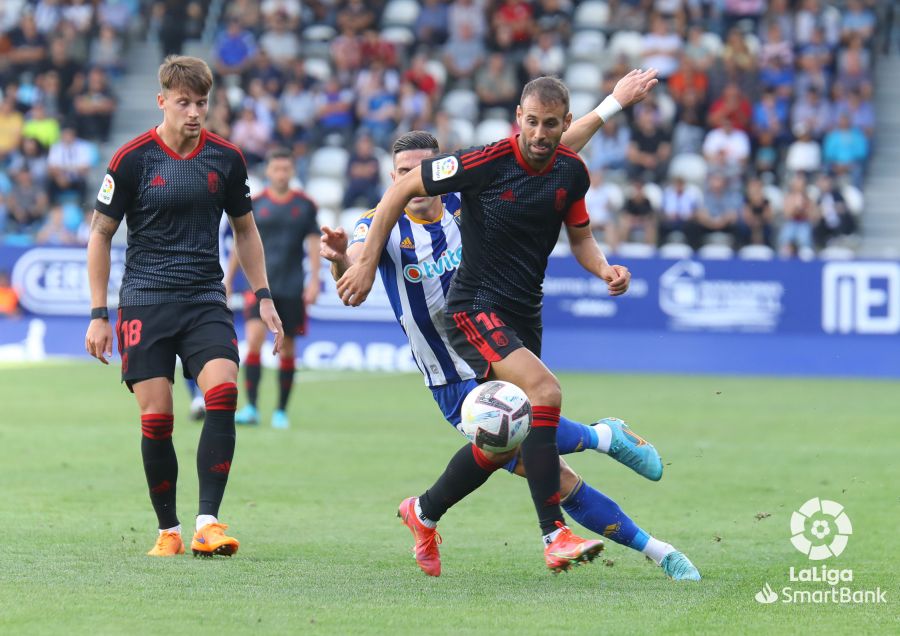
(185, 73)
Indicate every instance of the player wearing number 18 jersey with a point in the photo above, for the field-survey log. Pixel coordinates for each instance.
(171, 185)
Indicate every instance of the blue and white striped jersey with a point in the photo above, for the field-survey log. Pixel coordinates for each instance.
(416, 266)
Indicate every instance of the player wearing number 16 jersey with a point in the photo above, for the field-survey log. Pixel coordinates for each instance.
(171, 185)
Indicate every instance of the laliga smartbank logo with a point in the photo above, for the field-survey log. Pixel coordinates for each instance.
(820, 529)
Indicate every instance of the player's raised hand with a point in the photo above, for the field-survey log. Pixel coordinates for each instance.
(355, 285)
(98, 340)
(635, 86)
(617, 279)
(270, 317)
(333, 243)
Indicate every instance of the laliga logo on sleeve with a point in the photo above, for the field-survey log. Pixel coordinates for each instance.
(820, 529)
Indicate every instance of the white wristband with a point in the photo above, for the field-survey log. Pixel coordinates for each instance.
(608, 107)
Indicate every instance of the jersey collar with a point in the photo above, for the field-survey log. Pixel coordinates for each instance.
(196, 151)
(419, 221)
(514, 140)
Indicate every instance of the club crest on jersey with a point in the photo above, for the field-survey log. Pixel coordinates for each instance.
(407, 244)
(212, 182)
(106, 190)
(561, 195)
(360, 232)
(444, 168)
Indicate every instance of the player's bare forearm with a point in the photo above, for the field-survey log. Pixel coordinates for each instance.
(586, 251)
(249, 249)
(581, 131)
(388, 212)
(99, 242)
(348, 258)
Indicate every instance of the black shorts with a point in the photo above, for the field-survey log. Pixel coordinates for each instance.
(291, 310)
(483, 337)
(151, 336)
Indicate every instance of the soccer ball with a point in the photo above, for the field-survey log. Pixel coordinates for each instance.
(496, 416)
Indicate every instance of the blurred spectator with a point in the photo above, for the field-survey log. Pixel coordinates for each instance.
(600, 211)
(219, 118)
(280, 43)
(853, 75)
(334, 111)
(94, 107)
(680, 207)
(40, 126)
(780, 12)
(496, 85)
(107, 52)
(346, 55)
(468, 15)
(54, 231)
(355, 17)
(555, 16)
(363, 175)
(727, 147)
(285, 11)
(69, 162)
(818, 48)
(661, 47)
(61, 62)
(546, 56)
(83, 233)
(9, 299)
(376, 49)
(857, 19)
(609, 148)
(264, 71)
(720, 211)
(628, 15)
(805, 154)
(696, 51)
(845, 151)
(245, 12)
(811, 75)
(649, 149)
(732, 105)
(518, 16)
(251, 135)
(755, 225)
(431, 25)
(835, 219)
(860, 112)
(414, 108)
(463, 55)
(813, 112)
(739, 62)
(420, 77)
(12, 123)
(799, 216)
(80, 14)
(376, 109)
(115, 13)
(51, 95)
(689, 132)
(26, 204)
(736, 11)
(299, 105)
(29, 47)
(638, 214)
(286, 133)
(300, 153)
(689, 78)
(233, 49)
(770, 120)
(29, 157)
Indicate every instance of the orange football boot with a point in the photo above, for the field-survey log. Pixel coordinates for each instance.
(428, 557)
(568, 549)
(168, 544)
(210, 540)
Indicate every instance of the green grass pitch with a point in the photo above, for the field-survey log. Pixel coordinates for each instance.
(322, 552)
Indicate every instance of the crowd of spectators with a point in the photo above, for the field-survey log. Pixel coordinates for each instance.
(763, 119)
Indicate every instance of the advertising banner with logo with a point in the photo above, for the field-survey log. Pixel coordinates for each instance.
(746, 317)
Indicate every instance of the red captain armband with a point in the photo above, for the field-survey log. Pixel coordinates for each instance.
(577, 214)
(262, 293)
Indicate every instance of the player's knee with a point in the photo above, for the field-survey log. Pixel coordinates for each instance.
(222, 397)
(288, 352)
(546, 391)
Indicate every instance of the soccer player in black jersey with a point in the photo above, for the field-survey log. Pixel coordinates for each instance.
(286, 220)
(171, 185)
(516, 194)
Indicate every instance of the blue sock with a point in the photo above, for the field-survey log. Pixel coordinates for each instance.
(192, 387)
(600, 514)
(573, 437)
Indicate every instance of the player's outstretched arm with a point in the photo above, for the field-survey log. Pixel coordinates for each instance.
(628, 91)
(590, 256)
(249, 249)
(333, 247)
(99, 337)
(311, 289)
(356, 283)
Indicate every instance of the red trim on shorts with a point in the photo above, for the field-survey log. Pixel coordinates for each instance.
(481, 459)
(157, 426)
(132, 145)
(222, 397)
(175, 155)
(465, 324)
(545, 416)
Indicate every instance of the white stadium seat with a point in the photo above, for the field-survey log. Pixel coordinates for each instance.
(615, 196)
(326, 192)
(676, 251)
(319, 33)
(318, 68)
(348, 218)
(654, 195)
(666, 107)
(491, 130)
(712, 42)
(582, 102)
(591, 15)
(399, 35)
(587, 46)
(775, 197)
(464, 130)
(837, 253)
(627, 43)
(756, 253)
(690, 167)
(636, 250)
(326, 216)
(400, 13)
(329, 161)
(437, 70)
(715, 252)
(583, 76)
(461, 102)
(853, 197)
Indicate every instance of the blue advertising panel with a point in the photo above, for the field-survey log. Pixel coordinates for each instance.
(837, 318)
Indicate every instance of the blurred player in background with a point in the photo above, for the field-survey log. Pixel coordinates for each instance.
(286, 219)
(172, 183)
